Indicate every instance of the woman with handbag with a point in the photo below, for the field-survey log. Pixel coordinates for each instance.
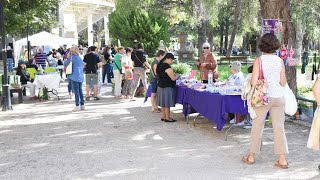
(117, 71)
(76, 76)
(269, 77)
(127, 71)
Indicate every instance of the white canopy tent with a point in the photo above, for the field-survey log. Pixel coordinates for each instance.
(43, 39)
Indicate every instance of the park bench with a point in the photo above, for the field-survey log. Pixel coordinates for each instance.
(234, 58)
(314, 103)
(21, 92)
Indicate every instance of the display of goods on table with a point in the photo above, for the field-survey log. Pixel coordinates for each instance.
(218, 87)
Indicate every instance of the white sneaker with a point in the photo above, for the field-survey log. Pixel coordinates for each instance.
(232, 121)
(82, 108)
(77, 108)
(242, 123)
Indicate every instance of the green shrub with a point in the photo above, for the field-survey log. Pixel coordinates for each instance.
(181, 68)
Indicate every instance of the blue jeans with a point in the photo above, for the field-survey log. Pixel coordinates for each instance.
(69, 86)
(10, 64)
(77, 89)
(107, 70)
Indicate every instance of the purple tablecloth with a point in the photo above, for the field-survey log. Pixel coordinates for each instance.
(213, 106)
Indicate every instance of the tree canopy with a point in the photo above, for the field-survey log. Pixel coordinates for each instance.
(19, 13)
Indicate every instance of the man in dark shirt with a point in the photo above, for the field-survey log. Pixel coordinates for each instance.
(139, 57)
(91, 63)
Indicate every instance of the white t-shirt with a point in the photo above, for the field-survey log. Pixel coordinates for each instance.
(236, 79)
(126, 59)
(271, 66)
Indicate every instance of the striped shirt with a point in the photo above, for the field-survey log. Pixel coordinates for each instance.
(41, 59)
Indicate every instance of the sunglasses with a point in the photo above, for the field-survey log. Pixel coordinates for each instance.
(206, 48)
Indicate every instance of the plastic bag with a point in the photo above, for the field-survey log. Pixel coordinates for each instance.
(313, 141)
(291, 105)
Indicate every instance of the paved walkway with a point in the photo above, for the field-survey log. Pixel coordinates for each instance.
(119, 139)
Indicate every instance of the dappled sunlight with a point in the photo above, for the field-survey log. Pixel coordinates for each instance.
(166, 148)
(6, 164)
(142, 136)
(85, 152)
(157, 137)
(87, 135)
(30, 146)
(68, 133)
(6, 131)
(119, 172)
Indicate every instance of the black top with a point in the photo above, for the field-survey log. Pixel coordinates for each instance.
(164, 79)
(106, 57)
(24, 76)
(91, 60)
(9, 54)
(138, 55)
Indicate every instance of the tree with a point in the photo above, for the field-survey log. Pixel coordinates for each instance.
(236, 22)
(141, 26)
(19, 13)
(281, 9)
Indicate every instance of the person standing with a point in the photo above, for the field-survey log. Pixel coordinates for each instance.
(127, 67)
(274, 73)
(153, 79)
(10, 59)
(167, 84)
(107, 67)
(206, 63)
(139, 58)
(41, 58)
(76, 77)
(91, 63)
(117, 72)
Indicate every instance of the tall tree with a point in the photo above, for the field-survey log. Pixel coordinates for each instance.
(281, 9)
(236, 23)
(19, 13)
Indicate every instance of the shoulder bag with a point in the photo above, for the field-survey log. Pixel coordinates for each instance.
(69, 67)
(143, 65)
(260, 92)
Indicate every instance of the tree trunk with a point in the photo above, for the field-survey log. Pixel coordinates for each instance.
(306, 42)
(236, 22)
(245, 43)
(210, 35)
(201, 36)
(226, 34)
(221, 36)
(281, 9)
(299, 39)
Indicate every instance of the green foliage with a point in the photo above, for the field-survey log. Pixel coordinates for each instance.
(19, 13)
(140, 26)
(181, 68)
(302, 90)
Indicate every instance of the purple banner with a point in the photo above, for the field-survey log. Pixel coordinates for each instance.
(273, 26)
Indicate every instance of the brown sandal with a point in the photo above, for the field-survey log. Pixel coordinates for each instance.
(282, 166)
(245, 159)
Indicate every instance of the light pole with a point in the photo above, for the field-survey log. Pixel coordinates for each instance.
(5, 86)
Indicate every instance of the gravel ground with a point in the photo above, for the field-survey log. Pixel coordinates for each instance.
(119, 139)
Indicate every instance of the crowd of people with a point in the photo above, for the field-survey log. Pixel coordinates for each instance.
(128, 66)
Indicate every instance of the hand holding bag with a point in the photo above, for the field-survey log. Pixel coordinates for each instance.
(291, 105)
(69, 67)
(260, 93)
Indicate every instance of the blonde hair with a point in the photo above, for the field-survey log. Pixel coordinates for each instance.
(74, 50)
